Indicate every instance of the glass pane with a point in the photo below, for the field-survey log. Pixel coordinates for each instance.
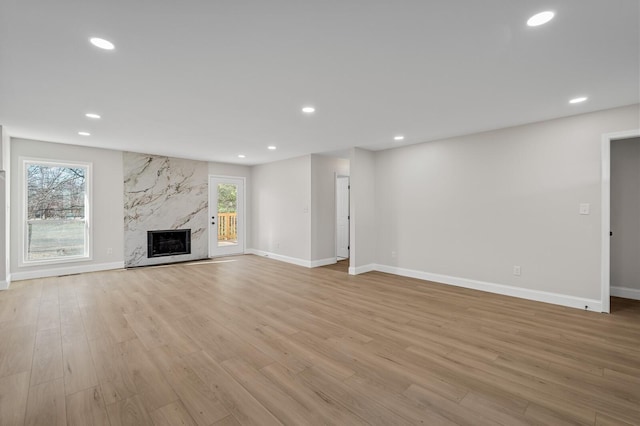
(56, 222)
(227, 214)
(55, 192)
(50, 239)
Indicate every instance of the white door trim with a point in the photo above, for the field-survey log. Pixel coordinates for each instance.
(243, 219)
(605, 260)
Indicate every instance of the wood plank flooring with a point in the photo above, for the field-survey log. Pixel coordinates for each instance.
(248, 340)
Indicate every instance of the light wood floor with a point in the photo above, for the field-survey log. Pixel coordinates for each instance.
(248, 340)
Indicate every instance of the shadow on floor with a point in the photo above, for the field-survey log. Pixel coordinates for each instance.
(341, 266)
(625, 306)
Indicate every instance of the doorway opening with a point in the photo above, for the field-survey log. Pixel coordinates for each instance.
(342, 217)
(342, 222)
(226, 212)
(607, 232)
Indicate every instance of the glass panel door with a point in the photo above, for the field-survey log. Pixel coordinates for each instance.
(226, 199)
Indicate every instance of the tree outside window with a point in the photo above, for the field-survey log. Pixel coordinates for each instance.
(227, 198)
(56, 211)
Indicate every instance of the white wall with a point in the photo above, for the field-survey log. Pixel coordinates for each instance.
(323, 205)
(281, 203)
(625, 213)
(363, 211)
(237, 170)
(107, 214)
(473, 207)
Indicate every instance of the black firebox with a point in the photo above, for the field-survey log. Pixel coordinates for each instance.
(168, 242)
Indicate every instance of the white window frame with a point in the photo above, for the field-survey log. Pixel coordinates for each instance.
(88, 196)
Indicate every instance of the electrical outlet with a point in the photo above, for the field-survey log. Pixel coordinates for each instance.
(516, 270)
(394, 254)
(109, 251)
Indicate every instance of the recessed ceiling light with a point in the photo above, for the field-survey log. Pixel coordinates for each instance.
(578, 100)
(308, 109)
(84, 133)
(241, 156)
(102, 43)
(271, 147)
(540, 18)
(398, 138)
(92, 115)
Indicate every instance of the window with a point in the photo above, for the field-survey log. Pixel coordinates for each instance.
(56, 211)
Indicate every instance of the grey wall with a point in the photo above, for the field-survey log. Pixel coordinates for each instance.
(473, 207)
(107, 200)
(4, 209)
(225, 169)
(323, 204)
(281, 208)
(363, 210)
(625, 213)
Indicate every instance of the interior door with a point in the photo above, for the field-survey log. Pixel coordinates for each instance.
(342, 217)
(226, 216)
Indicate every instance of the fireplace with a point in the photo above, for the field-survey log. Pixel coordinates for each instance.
(169, 242)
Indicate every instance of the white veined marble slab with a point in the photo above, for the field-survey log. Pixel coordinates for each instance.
(163, 193)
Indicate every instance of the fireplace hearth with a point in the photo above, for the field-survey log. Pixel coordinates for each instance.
(168, 242)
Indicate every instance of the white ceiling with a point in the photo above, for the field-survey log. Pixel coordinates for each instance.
(213, 79)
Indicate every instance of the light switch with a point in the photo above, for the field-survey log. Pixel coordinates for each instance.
(585, 208)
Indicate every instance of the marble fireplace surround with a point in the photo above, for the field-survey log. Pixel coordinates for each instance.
(162, 193)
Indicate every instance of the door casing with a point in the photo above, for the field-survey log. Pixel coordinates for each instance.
(605, 251)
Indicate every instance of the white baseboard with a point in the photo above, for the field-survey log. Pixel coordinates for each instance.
(66, 270)
(362, 269)
(523, 293)
(4, 285)
(323, 262)
(626, 292)
(293, 260)
(280, 257)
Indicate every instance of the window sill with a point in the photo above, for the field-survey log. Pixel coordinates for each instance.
(78, 259)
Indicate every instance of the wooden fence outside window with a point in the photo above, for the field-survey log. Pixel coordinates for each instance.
(227, 226)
